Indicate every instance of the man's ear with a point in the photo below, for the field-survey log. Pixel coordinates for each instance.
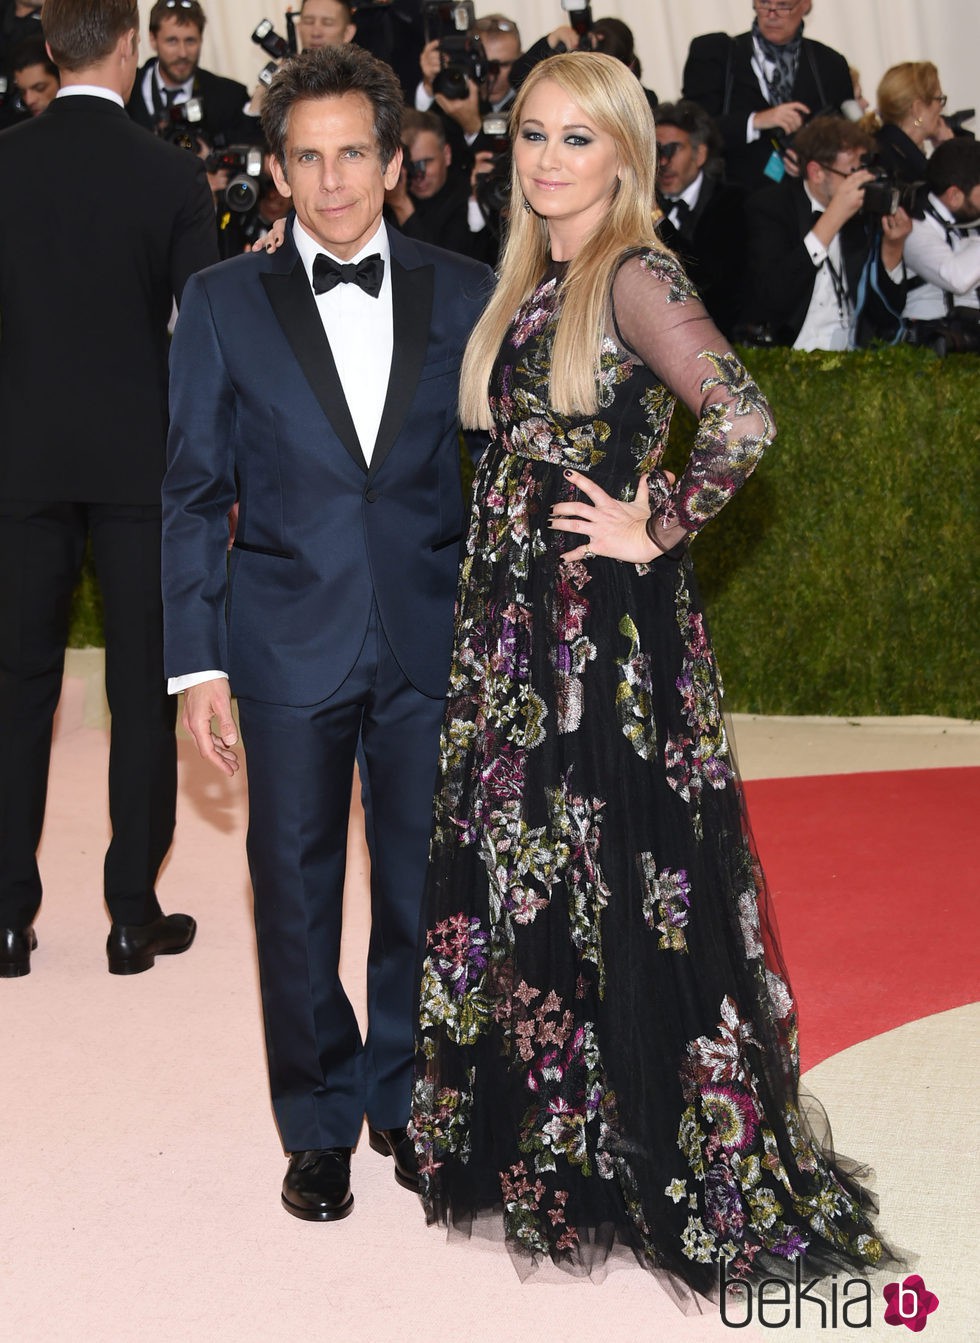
(279, 176)
(701, 157)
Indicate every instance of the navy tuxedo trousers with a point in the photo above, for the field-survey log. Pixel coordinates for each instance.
(324, 1078)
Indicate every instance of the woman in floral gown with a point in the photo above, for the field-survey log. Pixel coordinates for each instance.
(607, 1044)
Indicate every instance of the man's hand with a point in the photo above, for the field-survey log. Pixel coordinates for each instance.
(430, 63)
(787, 117)
(894, 230)
(843, 205)
(465, 111)
(202, 703)
(566, 35)
(482, 164)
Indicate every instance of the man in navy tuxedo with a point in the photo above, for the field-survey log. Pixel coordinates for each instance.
(317, 386)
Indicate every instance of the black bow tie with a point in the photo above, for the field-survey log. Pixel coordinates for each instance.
(367, 274)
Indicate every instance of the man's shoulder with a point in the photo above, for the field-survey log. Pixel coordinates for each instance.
(412, 252)
(827, 56)
(710, 46)
(213, 84)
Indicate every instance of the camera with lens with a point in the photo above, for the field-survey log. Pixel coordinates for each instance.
(266, 37)
(182, 124)
(243, 164)
(464, 59)
(884, 195)
(492, 188)
(579, 17)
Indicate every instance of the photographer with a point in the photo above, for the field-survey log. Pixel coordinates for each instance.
(463, 117)
(430, 199)
(943, 250)
(36, 79)
(320, 23)
(174, 80)
(705, 216)
(611, 37)
(826, 270)
(19, 21)
(761, 86)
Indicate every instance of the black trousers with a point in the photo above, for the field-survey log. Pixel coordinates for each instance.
(41, 551)
(323, 1077)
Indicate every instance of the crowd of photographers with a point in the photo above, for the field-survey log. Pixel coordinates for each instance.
(804, 219)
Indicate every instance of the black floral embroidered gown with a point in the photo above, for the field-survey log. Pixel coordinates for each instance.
(607, 1043)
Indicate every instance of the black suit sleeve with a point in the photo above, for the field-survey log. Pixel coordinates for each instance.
(194, 244)
(781, 274)
(706, 72)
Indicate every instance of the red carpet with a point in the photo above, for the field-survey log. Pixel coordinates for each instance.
(874, 878)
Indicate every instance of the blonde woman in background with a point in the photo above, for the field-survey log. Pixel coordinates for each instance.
(910, 116)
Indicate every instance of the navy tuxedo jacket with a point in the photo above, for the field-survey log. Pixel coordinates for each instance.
(258, 413)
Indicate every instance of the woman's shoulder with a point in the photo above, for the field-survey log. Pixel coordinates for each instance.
(650, 267)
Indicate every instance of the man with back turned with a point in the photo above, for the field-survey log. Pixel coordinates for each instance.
(114, 224)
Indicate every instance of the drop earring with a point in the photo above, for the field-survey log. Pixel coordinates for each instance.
(527, 207)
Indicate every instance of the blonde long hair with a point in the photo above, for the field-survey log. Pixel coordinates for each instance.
(613, 100)
(901, 85)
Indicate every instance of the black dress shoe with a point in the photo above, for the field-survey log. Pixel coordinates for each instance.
(395, 1142)
(317, 1185)
(16, 945)
(133, 947)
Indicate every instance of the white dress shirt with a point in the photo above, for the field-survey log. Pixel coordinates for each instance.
(826, 326)
(361, 336)
(690, 196)
(179, 92)
(359, 329)
(90, 91)
(947, 259)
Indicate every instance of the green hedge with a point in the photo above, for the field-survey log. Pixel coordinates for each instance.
(842, 579)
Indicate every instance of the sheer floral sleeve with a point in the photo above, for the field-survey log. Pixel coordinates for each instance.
(660, 320)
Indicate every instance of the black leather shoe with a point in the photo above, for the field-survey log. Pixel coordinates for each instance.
(317, 1185)
(133, 947)
(395, 1142)
(16, 945)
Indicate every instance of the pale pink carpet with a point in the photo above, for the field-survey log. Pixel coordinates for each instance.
(139, 1200)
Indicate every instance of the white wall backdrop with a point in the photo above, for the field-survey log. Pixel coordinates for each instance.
(872, 34)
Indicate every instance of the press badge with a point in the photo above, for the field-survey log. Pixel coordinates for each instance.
(775, 169)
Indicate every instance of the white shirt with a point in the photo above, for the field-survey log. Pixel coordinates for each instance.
(90, 91)
(361, 335)
(359, 329)
(180, 92)
(825, 326)
(690, 196)
(948, 260)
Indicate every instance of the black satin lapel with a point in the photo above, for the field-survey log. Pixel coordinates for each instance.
(411, 303)
(294, 305)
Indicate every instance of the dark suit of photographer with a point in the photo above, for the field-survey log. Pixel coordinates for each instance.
(761, 86)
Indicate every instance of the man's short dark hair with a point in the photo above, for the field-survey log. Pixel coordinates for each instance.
(81, 33)
(32, 52)
(184, 11)
(415, 123)
(330, 72)
(823, 138)
(954, 163)
(346, 5)
(694, 121)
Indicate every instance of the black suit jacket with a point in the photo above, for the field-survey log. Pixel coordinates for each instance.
(111, 224)
(224, 102)
(782, 276)
(712, 246)
(718, 65)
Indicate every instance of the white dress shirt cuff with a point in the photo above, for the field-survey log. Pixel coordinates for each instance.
(474, 216)
(423, 100)
(751, 134)
(178, 683)
(815, 248)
